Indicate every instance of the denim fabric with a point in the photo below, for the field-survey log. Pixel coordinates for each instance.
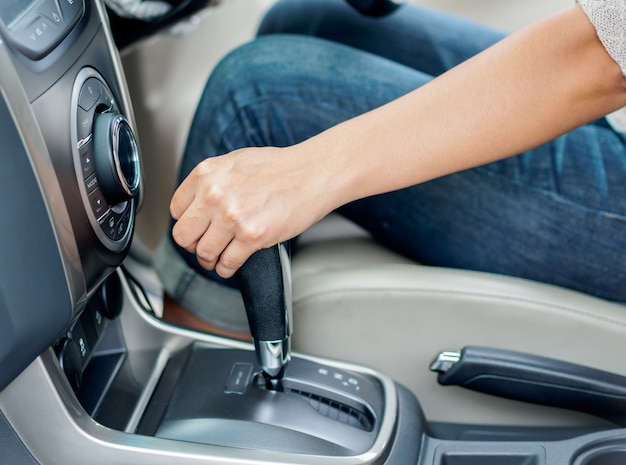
(221, 306)
(556, 214)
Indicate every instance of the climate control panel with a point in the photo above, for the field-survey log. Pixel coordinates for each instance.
(107, 162)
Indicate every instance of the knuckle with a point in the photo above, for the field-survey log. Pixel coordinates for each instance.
(233, 215)
(230, 263)
(227, 267)
(205, 256)
(176, 202)
(224, 272)
(252, 233)
(215, 191)
(203, 168)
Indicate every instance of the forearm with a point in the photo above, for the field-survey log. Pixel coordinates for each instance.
(530, 88)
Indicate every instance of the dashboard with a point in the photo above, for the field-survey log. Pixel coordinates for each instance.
(71, 170)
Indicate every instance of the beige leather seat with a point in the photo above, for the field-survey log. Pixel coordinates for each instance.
(356, 301)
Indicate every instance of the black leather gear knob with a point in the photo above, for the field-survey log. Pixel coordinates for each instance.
(265, 283)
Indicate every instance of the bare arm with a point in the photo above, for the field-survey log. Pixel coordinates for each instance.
(531, 87)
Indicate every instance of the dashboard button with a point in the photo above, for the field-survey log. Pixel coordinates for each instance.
(71, 10)
(106, 99)
(80, 337)
(38, 36)
(91, 184)
(89, 94)
(98, 204)
(50, 10)
(109, 224)
(97, 318)
(86, 162)
(122, 224)
(84, 124)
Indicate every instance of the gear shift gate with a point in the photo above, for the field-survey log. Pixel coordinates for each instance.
(327, 402)
(313, 409)
(220, 398)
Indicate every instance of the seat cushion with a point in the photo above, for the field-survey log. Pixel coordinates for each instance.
(354, 300)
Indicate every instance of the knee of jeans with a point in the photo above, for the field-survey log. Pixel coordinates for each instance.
(249, 62)
(269, 60)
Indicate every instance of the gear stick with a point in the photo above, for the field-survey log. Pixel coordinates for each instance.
(265, 282)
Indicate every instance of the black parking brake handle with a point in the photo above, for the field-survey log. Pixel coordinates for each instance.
(535, 379)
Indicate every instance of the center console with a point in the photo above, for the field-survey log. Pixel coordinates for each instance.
(90, 374)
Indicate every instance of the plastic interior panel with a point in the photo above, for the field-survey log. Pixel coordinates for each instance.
(216, 403)
(13, 449)
(35, 304)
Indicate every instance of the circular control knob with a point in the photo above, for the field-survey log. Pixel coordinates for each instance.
(111, 297)
(70, 360)
(116, 157)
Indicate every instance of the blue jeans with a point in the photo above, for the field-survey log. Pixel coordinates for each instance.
(555, 214)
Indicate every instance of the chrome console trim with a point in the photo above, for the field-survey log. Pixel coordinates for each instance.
(273, 356)
(144, 399)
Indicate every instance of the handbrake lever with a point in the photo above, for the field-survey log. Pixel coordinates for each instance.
(265, 283)
(535, 379)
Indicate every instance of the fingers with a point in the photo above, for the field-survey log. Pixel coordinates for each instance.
(214, 243)
(183, 197)
(213, 222)
(210, 247)
(192, 222)
(235, 204)
(233, 258)
(227, 245)
(190, 206)
(223, 250)
(188, 230)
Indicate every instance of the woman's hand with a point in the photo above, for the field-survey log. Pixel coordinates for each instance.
(233, 205)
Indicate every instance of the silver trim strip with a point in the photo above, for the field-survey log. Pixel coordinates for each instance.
(445, 361)
(147, 392)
